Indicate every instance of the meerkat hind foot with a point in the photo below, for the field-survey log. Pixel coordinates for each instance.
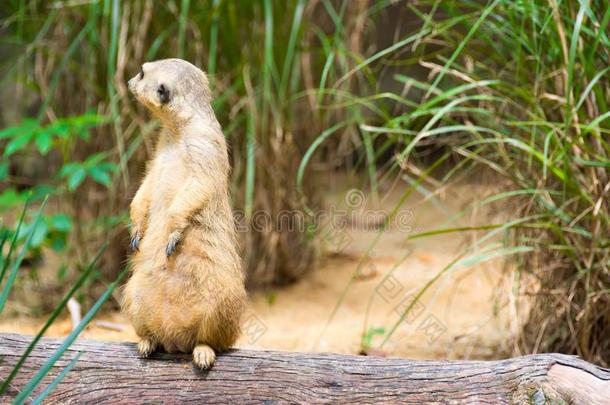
(203, 356)
(146, 347)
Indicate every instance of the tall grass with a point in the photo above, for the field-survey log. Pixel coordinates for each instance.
(544, 126)
(521, 88)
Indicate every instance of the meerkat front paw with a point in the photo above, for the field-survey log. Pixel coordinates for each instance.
(172, 243)
(203, 356)
(146, 347)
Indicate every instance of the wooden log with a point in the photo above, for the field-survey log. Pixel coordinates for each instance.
(112, 372)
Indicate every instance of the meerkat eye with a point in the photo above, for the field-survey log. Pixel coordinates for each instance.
(141, 73)
(163, 93)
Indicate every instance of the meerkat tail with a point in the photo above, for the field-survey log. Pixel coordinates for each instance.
(203, 356)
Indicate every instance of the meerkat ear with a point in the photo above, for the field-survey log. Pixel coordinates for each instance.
(163, 93)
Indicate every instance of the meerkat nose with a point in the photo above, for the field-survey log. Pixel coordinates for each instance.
(131, 84)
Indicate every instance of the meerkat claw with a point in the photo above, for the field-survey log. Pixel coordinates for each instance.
(172, 244)
(146, 347)
(135, 241)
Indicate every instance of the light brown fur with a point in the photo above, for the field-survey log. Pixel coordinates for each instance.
(188, 298)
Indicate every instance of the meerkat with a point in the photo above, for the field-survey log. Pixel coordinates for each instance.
(186, 292)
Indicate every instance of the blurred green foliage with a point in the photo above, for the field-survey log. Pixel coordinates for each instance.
(30, 138)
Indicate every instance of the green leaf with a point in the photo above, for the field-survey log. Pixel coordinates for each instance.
(108, 166)
(94, 159)
(60, 129)
(68, 169)
(76, 178)
(3, 170)
(41, 191)
(100, 175)
(17, 143)
(9, 132)
(89, 120)
(10, 197)
(61, 222)
(28, 126)
(40, 233)
(44, 140)
(83, 133)
(58, 242)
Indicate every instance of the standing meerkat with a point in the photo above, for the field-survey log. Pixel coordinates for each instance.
(186, 293)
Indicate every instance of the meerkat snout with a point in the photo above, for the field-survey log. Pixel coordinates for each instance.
(150, 89)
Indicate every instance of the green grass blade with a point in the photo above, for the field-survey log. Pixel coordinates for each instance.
(460, 229)
(184, 12)
(112, 95)
(3, 239)
(44, 370)
(251, 146)
(84, 276)
(7, 259)
(590, 86)
(572, 60)
(310, 151)
(13, 274)
(382, 53)
(49, 388)
(267, 66)
(488, 9)
(327, 65)
(292, 43)
(156, 44)
(371, 164)
(212, 54)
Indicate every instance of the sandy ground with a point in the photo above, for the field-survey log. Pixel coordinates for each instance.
(462, 315)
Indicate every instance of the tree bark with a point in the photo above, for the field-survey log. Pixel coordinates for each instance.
(112, 372)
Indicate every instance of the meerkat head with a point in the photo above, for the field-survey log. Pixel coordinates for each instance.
(174, 90)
